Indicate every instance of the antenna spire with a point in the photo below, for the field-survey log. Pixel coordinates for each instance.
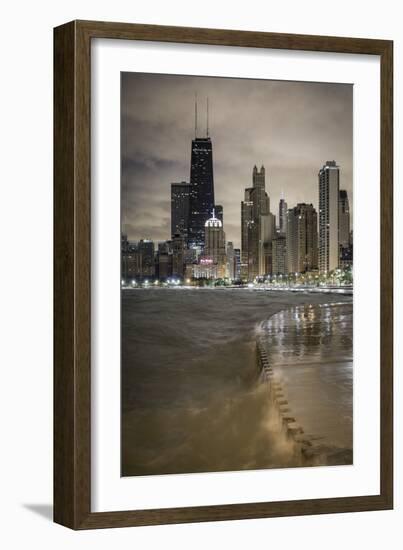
(207, 118)
(195, 115)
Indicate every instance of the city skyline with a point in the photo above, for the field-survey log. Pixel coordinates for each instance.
(158, 126)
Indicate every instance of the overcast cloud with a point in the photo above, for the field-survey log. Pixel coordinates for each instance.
(290, 127)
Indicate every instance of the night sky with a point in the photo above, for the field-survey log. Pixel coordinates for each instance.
(290, 127)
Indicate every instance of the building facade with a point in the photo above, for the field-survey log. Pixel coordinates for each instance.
(267, 234)
(145, 248)
(201, 200)
(180, 194)
(230, 261)
(178, 253)
(237, 264)
(257, 228)
(344, 219)
(282, 216)
(246, 222)
(215, 245)
(205, 268)
(131, 268)
(279, 247)
(302, 239)
(164, 264)
(329, 249)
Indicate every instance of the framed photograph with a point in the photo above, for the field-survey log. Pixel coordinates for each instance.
(222, 275)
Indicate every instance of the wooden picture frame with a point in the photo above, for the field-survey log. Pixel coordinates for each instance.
(72, 270)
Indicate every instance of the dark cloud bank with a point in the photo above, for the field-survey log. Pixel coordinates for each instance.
(290, 127)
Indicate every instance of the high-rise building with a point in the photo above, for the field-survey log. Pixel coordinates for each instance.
(201, 201)
(259, 177)
(344, 219)
(257, 228)
(302, 239)
(180, 208)
(164, 262)
(282, 216)
(279, 249)
(230, 260)
(261, 201)
(246, 236)
(329, 250)
(178, 249)
(214, 248)
(237, 264)
(131, 261)
(267, 234)
(146, 250)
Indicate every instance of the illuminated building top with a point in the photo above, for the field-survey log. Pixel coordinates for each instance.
(213, 221)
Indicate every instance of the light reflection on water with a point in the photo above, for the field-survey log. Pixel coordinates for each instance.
(311, 351)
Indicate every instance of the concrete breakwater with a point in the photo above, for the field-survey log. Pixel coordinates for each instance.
(305, 357)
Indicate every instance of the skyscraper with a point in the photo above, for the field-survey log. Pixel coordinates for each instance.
(257, 228)
(131, 260)
(214, 248)
(279, 250)
(146, 250)
(230, 260)
(180, 208)
(302, 239)
(237, 264)
(246, 222)
(282, 216)
(178, 248)
(201, 201)
(344, 219)
(164, 263)
(267, 234)
(329, 177)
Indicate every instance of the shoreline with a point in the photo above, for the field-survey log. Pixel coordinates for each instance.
(346, 291)
(314, 441)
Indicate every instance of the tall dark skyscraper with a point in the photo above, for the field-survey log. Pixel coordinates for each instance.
(201, 202)
(201, 196)
(180, 208)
